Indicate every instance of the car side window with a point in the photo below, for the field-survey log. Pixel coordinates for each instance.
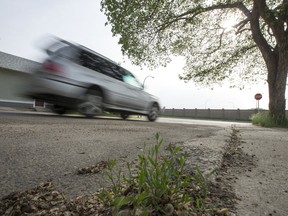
(129, 79)
(99, 64)
(65, 52)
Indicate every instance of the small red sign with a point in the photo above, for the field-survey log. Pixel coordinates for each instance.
(258, 96)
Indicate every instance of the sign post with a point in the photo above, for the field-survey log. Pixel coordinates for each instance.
(257, 97)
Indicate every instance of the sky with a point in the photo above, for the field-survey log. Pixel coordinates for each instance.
(26, 25)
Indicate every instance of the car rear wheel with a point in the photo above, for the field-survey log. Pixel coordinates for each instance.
(59, 110)
(92, 104)
(153, 113)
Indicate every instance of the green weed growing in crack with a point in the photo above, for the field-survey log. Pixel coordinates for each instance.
(233, 143)
(156, 185)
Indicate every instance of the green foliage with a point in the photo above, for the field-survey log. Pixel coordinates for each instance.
(156, 184)
(265, 120)
(151, 31)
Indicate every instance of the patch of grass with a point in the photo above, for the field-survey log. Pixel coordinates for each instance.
(263, 119)
(156, 185)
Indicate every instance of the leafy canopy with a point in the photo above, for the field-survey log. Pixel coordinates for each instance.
(151, 31)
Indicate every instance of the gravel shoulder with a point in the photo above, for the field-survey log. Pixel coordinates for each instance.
(263, 190)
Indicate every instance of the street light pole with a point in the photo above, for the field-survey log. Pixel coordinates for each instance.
(145, 80)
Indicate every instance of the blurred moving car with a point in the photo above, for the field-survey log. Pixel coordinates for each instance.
(74, 77)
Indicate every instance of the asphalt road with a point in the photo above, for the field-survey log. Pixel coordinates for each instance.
(38, 147)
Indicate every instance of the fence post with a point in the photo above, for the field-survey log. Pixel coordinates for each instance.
(239, 114)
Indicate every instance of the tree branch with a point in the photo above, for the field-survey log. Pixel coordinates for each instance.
(192, 13)
(270, 19)
(220, 43)
(257, 35)
(236, 5)
(241, 25)
(281, 11)
(242, 30)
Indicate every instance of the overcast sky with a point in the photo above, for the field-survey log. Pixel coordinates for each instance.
(25, 26)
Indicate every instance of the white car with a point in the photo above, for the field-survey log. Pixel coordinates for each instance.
(74, 77)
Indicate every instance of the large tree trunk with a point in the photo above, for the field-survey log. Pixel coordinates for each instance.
(277, 75)
(276, 58)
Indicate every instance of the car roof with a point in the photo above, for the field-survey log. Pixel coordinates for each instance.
(60, 43)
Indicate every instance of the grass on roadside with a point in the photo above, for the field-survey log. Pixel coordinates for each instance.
(263, 119)
(156, 185)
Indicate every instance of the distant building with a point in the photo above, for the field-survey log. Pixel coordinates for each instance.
(14, 73)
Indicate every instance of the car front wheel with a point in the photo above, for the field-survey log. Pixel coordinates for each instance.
(153, 113)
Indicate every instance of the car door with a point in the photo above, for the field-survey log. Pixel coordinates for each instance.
(120, 94)
(135, 97)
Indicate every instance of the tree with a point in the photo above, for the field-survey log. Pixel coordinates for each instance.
(151, 31)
